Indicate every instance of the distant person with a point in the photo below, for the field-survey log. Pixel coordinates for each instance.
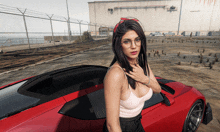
(129, 81)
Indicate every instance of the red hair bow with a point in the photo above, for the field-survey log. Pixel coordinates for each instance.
(121, 21)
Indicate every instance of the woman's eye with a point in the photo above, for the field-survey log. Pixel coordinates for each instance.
(126, 42)
(138, 40)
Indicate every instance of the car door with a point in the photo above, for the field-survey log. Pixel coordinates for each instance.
(160, 116)
(86, 113)
(152, 113)
(80, 107)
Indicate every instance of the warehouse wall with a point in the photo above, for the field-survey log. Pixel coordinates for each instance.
(197, 15)
(201, 15)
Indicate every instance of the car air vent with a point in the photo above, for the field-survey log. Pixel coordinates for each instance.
(167, 88)
(164, 81)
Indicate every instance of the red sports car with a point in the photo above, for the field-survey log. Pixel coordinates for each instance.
(72, 99)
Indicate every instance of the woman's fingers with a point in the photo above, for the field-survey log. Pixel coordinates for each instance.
(138, 66)
(130, 75)
(133, 66)
(126, 71)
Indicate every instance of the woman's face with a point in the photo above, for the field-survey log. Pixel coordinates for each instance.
(131, 45)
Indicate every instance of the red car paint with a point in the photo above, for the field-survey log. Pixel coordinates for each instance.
(23, 117)
(160, 117)
(169, 118)
(15, 82)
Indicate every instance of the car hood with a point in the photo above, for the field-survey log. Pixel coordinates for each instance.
(174, 88)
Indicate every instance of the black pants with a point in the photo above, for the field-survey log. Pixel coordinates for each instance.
(129, 124)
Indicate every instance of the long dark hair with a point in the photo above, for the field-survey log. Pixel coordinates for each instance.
(122, 28)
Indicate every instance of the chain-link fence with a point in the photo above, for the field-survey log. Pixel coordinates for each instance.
(32, 27)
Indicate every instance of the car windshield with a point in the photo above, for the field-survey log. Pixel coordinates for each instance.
(12, 102)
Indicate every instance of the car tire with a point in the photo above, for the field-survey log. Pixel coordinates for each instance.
(194, 117)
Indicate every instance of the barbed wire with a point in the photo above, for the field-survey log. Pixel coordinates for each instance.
(5, 9)
(8, 8)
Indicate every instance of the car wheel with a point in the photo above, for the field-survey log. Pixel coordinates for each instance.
(194, 117)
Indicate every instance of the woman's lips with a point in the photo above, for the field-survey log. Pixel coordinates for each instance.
(134, 53)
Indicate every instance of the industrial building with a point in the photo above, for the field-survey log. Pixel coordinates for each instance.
(159, 15)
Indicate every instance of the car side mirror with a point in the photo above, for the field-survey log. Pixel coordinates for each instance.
(168, 100)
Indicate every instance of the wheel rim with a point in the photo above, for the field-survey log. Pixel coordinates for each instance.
(195, 117)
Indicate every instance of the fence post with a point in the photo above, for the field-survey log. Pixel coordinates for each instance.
(69, 32)
(88, 26)
(68, 19)
(95, 31)
(108, 32)
(51, 28)
(25, 26)
(80, 30)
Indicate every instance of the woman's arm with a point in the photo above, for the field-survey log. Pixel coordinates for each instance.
(112, 91)
(154, 85)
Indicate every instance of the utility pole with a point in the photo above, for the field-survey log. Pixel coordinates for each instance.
(180, 17)
(68, 20)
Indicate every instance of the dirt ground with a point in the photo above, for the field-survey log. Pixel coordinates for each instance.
(188, 63)
(187, 69)
(18, 58)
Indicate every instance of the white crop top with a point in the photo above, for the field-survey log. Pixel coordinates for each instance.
(133, 105)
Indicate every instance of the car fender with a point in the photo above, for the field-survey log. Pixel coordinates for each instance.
(29, 114)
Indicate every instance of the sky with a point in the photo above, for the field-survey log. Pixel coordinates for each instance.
(78, 9)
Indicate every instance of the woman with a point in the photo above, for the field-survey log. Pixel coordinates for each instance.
(129, 81)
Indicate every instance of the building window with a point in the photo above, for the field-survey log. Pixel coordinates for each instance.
(110, 10)
(172, 8)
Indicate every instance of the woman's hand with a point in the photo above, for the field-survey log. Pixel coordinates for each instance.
(137, 74)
